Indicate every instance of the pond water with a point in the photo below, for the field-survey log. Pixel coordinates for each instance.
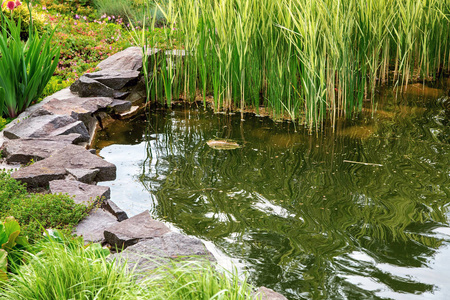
(359, 213)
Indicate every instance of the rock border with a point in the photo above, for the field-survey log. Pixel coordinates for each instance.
(55, 135)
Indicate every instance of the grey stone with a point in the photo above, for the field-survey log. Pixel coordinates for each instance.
(134, 110)
(88, 87)
(24, 150)
(150, 254)
(128, 59)
(134, 229)
(84, 175)
(138, 94)
(45, 126)
(120, 106)
(82, 109)
(115, 79)
(112, 207)
(83, 193)
(264, 293)
(55, 167)
(92, 227)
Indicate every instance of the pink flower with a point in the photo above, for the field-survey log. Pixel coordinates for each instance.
(75, 23)
(18, 3)
(84, 17)
(77, 17)
(11, 5)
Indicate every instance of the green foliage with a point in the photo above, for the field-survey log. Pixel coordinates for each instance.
(37, 211)
(10, 242)
(131, 10)
(306, 60)
(59, 271)
(25, 68)
(196, 280)
(22, 14)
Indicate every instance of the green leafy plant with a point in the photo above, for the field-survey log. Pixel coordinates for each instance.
(10, 242)
(25, 67)
(37, 211)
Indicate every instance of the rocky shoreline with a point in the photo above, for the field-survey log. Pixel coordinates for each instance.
(51, 140)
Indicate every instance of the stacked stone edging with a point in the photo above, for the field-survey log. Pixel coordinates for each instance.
(54, 135)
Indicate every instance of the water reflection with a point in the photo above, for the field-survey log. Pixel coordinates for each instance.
(301, 211)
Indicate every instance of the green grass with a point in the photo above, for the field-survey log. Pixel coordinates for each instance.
(307, 60)
(37, 211)
(70, 270)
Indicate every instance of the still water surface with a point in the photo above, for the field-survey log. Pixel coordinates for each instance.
(300, 212)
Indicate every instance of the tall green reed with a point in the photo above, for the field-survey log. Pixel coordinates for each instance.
(307, 60)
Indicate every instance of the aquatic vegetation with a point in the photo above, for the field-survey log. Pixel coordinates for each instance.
(310, 60)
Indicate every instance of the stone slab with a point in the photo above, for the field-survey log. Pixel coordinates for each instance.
(24, 150)
(45, 126)
(84, 175)
(92, 227)
(55, 167)
(88, 87)
(115, 79)
(83, 193)
(120, 106)
(264, 293)
(172, 246)
(128, 59)
(112, 207)
(134, 229)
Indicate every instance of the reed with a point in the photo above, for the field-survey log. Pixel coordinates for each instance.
(307, 60)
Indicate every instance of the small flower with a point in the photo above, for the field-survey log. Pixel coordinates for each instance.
(18, 3)
(75, 23)
(77, 17)
(11, 5)
(84, 17)
(109, 18)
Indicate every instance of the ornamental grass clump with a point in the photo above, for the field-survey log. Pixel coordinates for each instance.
(308, 60)
(25, 66)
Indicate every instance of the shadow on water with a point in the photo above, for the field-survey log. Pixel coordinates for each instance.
(354, 214)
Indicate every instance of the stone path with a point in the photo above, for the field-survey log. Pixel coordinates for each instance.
(50, 140)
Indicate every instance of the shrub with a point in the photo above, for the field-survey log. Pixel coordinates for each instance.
(37, 211)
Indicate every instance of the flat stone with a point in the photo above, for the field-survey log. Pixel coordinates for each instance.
(120, 106)
(132, 112)
(83, 193)
(24, 150)
(112, 207)
(82, 109)
(128, 59)
(55, 167)
(264, 293)
(88, 87)
(150, 254)
(134, 229)
(115, 79)
(45, 126)
(84, 175)
(91, 228)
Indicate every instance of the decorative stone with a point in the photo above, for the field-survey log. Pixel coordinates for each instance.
(264, 293)
(115, 79)
(120, 106)
(55, 167)
(46, 126)
(24, 150)
(84, 175)
(88, 87)
(131, 113)
(134, 229)
(149, 254)
(83, 193)
(92, 227)
(81, 109)
(128, 59)
(112, 207)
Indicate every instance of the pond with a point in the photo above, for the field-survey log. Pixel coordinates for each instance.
(358, 213)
